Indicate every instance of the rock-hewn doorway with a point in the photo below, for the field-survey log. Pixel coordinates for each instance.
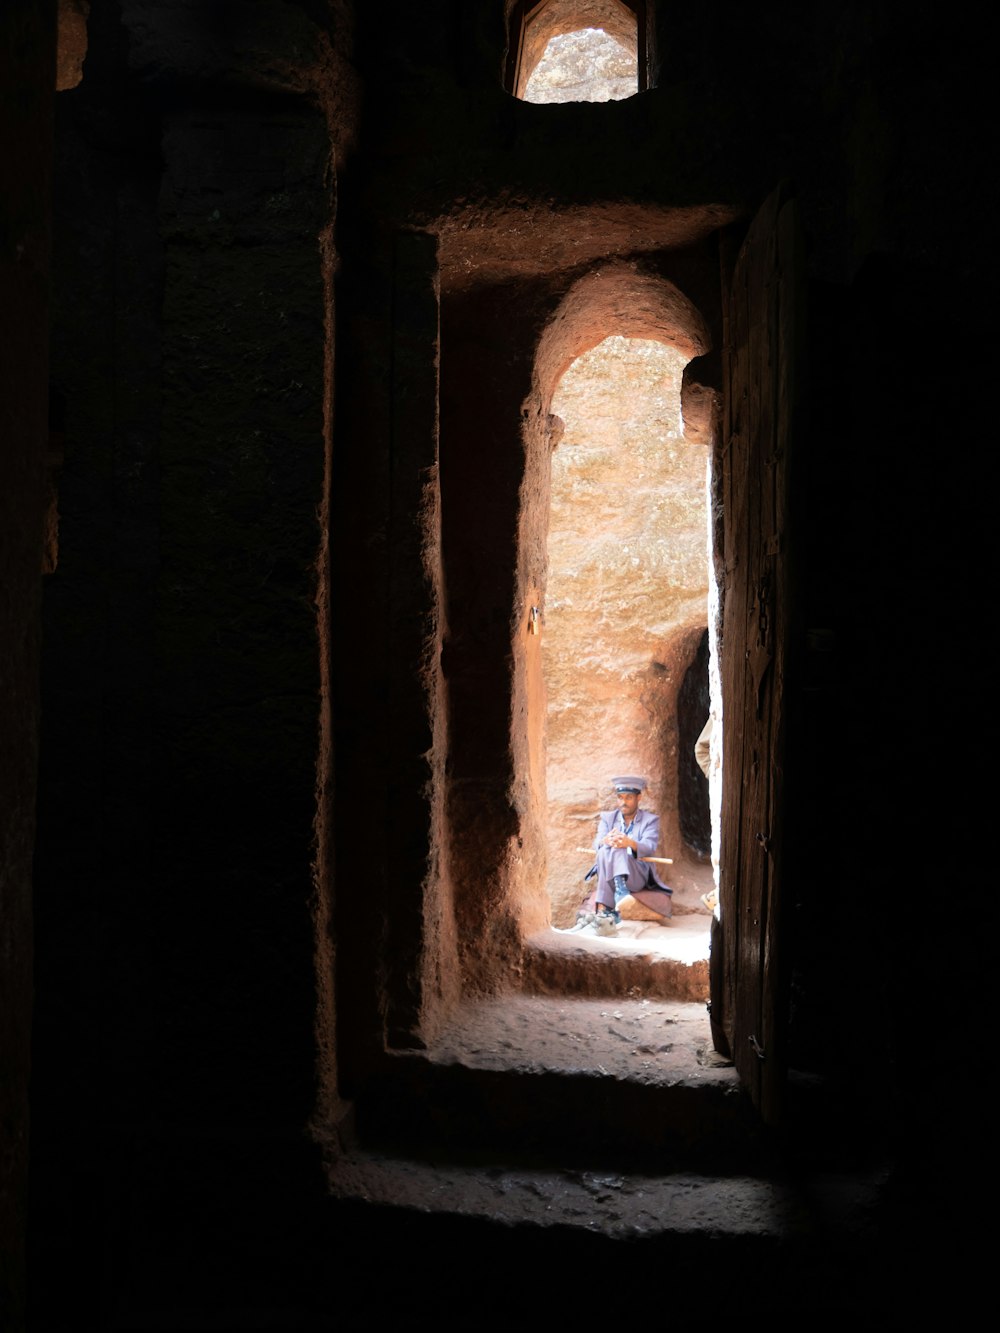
(626, 599)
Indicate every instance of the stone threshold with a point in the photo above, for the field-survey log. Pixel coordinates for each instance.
(635, 1077)
(525, 1244)
(619, 1205)
(667, 962)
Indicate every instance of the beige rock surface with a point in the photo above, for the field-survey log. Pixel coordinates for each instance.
(630, 910)
(585, 66)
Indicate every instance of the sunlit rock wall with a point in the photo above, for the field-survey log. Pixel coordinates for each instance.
(587, 66)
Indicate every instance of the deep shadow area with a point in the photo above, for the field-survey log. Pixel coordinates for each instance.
(692, 785)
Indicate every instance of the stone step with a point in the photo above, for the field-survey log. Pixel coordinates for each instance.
(619, 1081)
(668, 962)
(618, 1205)
(576, 1246)
(573, 1156)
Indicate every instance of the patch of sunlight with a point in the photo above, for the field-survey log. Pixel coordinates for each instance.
(585, 66)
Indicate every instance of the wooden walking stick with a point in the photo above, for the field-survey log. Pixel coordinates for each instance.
(658, 860)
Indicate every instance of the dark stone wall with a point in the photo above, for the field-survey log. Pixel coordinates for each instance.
(692, 785)
(27, 77)
(183, 878)
(176, 875)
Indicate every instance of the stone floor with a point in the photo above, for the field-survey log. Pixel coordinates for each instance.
(625, 1037)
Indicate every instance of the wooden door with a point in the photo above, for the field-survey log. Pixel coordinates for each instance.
(762, 327)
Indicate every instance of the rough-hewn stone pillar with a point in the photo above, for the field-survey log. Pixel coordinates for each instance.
(419, 919)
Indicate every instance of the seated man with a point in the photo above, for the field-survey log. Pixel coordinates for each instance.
(624, 836)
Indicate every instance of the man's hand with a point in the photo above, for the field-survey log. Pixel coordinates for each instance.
(619, 840)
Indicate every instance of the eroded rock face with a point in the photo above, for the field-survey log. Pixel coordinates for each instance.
(71, 42)
(626, 600)
(587, 66)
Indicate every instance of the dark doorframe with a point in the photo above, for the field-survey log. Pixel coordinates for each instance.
(762, 328)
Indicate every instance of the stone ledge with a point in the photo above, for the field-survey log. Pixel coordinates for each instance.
(665, 962)
(615, 1204)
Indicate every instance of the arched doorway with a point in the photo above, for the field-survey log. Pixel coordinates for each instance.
(626, 597)
(618, 300)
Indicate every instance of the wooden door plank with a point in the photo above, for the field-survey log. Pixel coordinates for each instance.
(761, 334)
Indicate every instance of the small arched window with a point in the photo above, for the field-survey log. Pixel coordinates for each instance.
(577, 50)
